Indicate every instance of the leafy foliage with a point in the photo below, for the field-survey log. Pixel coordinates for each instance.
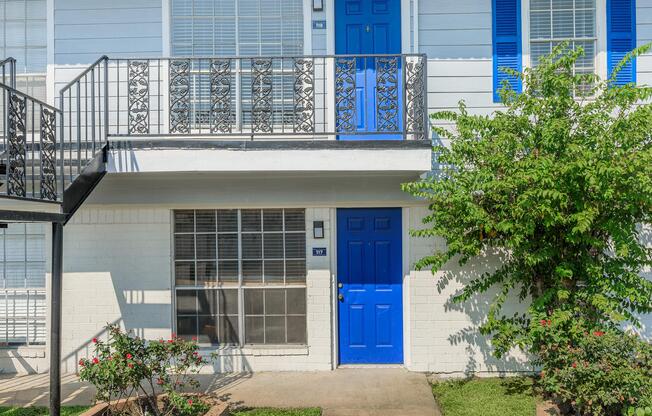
(559, 183)
(124, 366)
(603, 372)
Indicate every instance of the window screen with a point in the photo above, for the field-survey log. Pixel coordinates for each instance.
(237, 27)
(22, 284)
(240, 275)
(556, 21)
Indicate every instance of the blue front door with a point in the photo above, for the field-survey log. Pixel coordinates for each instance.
(369, 284)
(372, 27)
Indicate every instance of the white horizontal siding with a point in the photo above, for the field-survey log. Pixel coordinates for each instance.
(87, 29)
(84, 30)
(644, 36)
(456, 36)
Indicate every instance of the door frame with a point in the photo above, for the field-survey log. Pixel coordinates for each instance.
(408, 44)
(406, 26)
(405, 267)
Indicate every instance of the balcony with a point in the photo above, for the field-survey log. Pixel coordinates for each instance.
(210, 107)
(365, 113)
(252, 98)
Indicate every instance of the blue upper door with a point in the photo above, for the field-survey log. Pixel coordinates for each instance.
(372, 27)
(369, 270)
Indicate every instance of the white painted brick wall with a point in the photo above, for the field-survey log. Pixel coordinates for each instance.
(444, 336)
(117, 269)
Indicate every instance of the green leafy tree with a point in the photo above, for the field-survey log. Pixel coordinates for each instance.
(560, 182)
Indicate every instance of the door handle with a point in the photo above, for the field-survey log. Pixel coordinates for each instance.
(340, 297)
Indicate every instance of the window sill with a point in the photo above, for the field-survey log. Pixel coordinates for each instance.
(258, 350)
(37, 351)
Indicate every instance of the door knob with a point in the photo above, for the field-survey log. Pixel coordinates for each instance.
(368, 28)
(340, 285)
(340, 297)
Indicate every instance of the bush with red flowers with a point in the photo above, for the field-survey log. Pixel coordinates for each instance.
(126, 366)
(593, 371)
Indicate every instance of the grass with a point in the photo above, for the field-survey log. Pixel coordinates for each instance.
(486, 397)
(40, 411)
(278, 412)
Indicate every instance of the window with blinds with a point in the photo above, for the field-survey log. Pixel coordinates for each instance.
(240, 275)
(23, 35)
(237, 27)
(23, 26)
(206, 28)
(555, 21)
(22, 285)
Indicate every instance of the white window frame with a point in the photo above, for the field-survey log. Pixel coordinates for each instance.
(306, 25)
(600, 33)
(32, 297)
(241, 286)
(22, 75)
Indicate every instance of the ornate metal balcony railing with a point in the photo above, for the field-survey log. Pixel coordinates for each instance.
(8, 72)
(310, 97)
(28, 146)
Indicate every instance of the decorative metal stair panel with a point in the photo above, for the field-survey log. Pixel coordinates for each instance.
(28, 147)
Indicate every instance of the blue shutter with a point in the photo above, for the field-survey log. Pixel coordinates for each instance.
(506, 34)
(621, 38)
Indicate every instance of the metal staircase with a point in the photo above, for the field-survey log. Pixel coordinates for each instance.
(46, 170)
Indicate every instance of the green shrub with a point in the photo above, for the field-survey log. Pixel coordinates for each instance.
(593, 371)
(125, 366)
(558, 182)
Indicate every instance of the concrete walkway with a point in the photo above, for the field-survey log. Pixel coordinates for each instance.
(344, 392)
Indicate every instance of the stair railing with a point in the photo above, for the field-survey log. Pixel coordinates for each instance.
(84, 127)
(28, 146)
(8, 72)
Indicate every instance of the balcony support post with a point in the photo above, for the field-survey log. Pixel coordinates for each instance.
(55, 318)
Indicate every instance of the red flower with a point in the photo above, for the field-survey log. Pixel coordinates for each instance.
(190, 402)
(130, 365)
(129, 356)
(94, 340)
(544, 322)
(574, 365)
(96, 360)
(195, 353)
(194, 339)
(81, 362)
(170, 341)
(598, 333)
